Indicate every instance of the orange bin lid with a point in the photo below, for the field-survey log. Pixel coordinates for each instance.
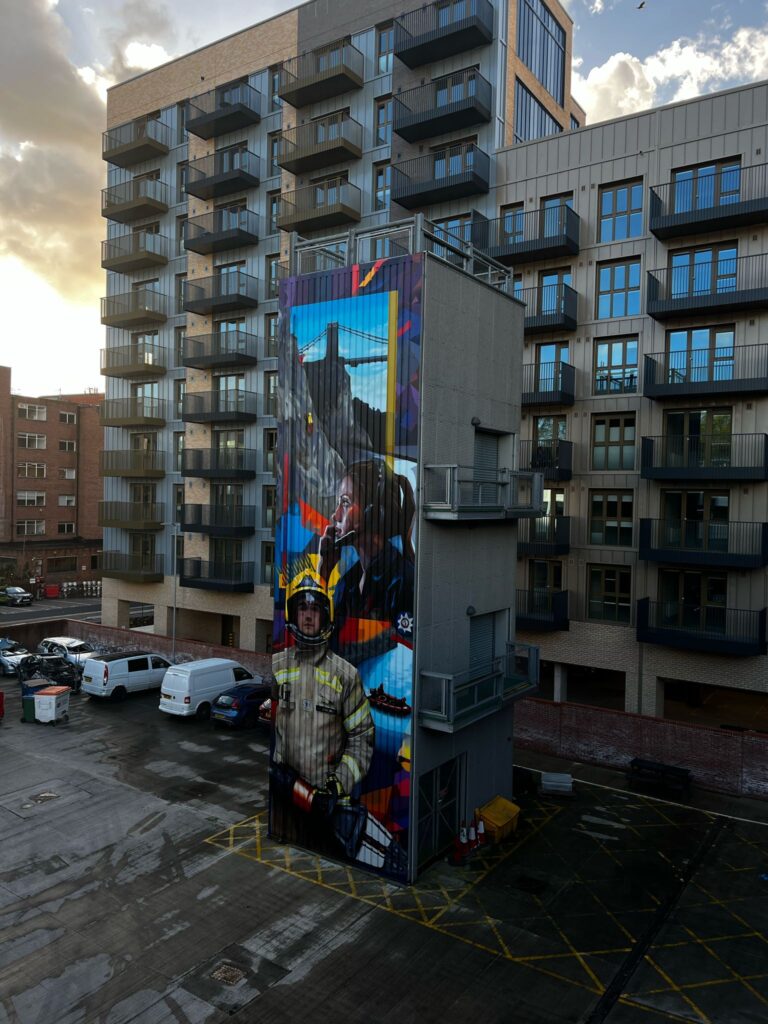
(52, 691)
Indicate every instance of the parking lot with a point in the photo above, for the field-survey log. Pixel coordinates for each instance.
(137, 884)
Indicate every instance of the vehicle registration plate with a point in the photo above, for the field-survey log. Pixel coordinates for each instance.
(167, 696)
(87, 679)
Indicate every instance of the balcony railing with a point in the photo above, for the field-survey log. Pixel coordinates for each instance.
(235, 577)
(552, 458)
(462, 494)
(447, 104)
(451, 701)
(729, 198)
(225, 228)
(550, 307)
(131, 568)
(722, 285)
(450, 173)
(221, 293)
(227, 348)
(132, 515)
(221, 520)
(136, 199)
(142, 307)
(544, 536)
(728, 545)
(220, 463)
(707, 371)
(327, 204)
(135, 142)
(549, 384)
(133, 362)
(705, 457)
(328, 140)
(134, 411)
(220, 174)
(441, 30)
(228, 108)
(518, 237)
(327, 71)
(233, 406)
(715, 630)
(542, 610)
(135, 250)
(127, 463)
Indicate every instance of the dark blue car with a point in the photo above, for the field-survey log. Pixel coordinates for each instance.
(240, 705)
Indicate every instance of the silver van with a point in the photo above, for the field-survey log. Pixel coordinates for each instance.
(117, 675)
(191, 688)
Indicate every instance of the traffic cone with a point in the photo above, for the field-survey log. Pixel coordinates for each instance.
(481, 836)
(464, 839)
(472, 835)
(459, 848)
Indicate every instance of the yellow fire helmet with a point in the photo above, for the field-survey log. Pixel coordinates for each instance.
(307, 588)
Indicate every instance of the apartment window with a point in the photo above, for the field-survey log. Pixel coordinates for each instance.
(270, 334)
(179, 292)
(541, 46)
(713, 184)
(30, 528)
(34, 470)
(268, 562)
(382, 182)
(180, 222)
(272, 275)
(68, 417)
(544, 575)
(179, 390)
(574, 123)
(704, 270)
(512, 223)
(382, 121)
(67, 501)
(700, 355)
(618, 289)
(273, 154)
(181, 123)
(273, 212)
(178, 502)
(270, 392)
(275, 103)
(181, 178)
(65, 528)
(616, 366)
(385, 44)
(179, 337)
(610, 593)
(67, 446)
(26, 411)
(178, 450)
(268, 505)
(613, 442)
(31, 440)
(30, 499)
(517, 285)
(270, 449)
(552, 284)
(62, 563)
(610, 518)
(621, 211)
(67, 474)
(532, 121)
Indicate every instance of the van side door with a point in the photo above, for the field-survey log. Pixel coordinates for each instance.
(159, 666)
(138, 674)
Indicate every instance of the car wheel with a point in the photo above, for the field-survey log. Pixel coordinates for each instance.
(119, 693)
(203, 711)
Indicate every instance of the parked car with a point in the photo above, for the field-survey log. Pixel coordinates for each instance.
(191, 688)
(74, 650)
(239, 706)
(11, 653)
(117, 675)
(15, 596)
(53, 667)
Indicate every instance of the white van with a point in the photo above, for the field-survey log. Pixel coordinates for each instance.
(191, 688)
(117, 675)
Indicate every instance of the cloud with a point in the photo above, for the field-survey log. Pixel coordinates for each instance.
(145, 55)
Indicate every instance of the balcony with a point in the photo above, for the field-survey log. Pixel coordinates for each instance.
(727, 199)
(705, 457)
(464, 494)
(442, 30)
(220, 520)
(135, 142)
(228, 108)
(447, 104)
(134, 412)
(726, 545)
(451, 173)
(221, 230)
(548, 308)
(545, 536)
(519, 237)
(541, 610)
(234, 577)
(142, 361)
(328, 71)
(725, 285)
(327, 204)
(549, 384)
(233, 406)
(131, 568)
(736, 371)
(135, 250)
(737, 632)
(136, 199)
(449, 702)
(142, 307)
(220, 463)
(222, 173)
(227, 348)
(328, 140)
(222, 293)
(132, 515)
(128, 463)
(552, 458)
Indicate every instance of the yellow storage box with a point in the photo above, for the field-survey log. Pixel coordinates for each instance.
(500, 817)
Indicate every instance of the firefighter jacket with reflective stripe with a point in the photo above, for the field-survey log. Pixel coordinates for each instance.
(323, 724)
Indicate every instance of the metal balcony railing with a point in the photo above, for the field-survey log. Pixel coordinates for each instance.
(324, 141)
(541, 608)
(223, 172)
(320, 74)
(225, 228)
(213, 463)
(705, 457)
(132, 515)
(206, 575)
(545, 535)
(737, 545)
(699, 201)
(220, 293)
(233, 404)
(549, 383)
(326, 204)
(133, 463)
(120, 565)
(135, 199)
(227, 108)
(711, 628)
(135, 142)
(446, 104)
(441, 30)
(226, 348)
(552, 458)
(549, 307)
(125, 412)
(451, 173)
(519, 237)
(220, 519)
(135, 250)
(142, 359)
(465, 493)
(724, 283)
(703, 371)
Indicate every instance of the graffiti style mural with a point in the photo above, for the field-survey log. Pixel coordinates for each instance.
(345, 543)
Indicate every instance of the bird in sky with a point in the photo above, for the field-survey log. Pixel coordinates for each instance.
(640, 6)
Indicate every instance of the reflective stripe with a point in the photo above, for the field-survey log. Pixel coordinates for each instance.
(283, 674)
(353, 767)
(353, 720)
(324, 679)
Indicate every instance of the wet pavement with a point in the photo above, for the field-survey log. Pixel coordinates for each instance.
(137, 884)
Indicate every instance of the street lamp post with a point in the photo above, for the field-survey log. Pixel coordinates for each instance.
(174, 528)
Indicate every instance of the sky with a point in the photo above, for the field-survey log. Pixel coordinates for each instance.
(57, 58)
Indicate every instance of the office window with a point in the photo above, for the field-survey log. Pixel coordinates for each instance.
(610, 518)
(621, 211)
(67, 474)
(270, 449)
(273, 211)
(704, 270)
(532, 121)
(385, 44)
(713, 184)
(541, 46)
(27, 411)
(700, 354)
(67, 501)
(179, 336)
(275, 103)
(65, 528)
(273, 154)
(613, 442)
(618, 289)
(270, 334)
(615, 366)
(382, 182)
(34, 470)
(30, 528)
(62, 563)
(67, 446)
(382, 121)
(31, 440)
(67, 417)
(610, 593)
(268, 505)
(272, 275)
(178, 450)
(30, 499)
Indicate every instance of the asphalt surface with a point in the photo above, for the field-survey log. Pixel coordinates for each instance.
(137, 884)
(39, 611)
